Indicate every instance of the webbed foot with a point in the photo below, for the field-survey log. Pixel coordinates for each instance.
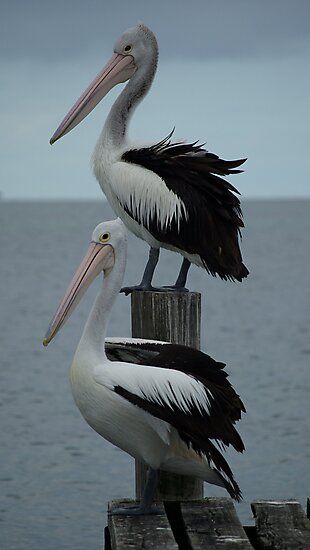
(148, 288)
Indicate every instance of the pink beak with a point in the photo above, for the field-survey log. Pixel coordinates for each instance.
(99, 257)
(119, 69)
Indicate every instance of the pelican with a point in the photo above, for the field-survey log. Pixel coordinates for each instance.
(169, 406)
(172, 195)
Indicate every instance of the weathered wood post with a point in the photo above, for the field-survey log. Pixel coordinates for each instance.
(173, 317)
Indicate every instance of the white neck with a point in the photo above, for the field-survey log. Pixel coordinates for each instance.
(93, 337)
(115, 127)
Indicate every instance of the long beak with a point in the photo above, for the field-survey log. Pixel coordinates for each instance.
(98, 257)
(119, 69)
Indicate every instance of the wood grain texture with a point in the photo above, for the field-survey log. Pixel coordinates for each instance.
(150, 532)
(213, 523)
(281, 525)
(169, 316)
(208, 523)
(172, 317)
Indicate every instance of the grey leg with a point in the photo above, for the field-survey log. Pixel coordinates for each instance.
(150, 267)
(146, 283)
(182, 277)
(145, 506)
(180, 283)
(149, 490)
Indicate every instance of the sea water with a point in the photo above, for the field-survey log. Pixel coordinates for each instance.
(56, 474)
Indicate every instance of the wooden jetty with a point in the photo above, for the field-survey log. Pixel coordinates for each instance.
(185, 519)
(212, 523)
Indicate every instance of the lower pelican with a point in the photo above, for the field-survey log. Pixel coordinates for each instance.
(169, 406)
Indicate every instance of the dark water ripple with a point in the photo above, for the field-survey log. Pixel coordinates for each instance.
(56, 475)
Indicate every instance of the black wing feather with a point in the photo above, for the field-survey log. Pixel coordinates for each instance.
(196, 428)
(212, 228)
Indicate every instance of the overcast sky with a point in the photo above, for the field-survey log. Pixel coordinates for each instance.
(232, 73)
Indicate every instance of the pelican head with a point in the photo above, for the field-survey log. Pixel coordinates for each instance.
(107, 239)
(132, 49)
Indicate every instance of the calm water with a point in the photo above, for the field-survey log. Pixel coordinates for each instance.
(56, 474)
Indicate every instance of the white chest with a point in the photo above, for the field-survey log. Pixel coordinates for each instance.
(136, 193)
(116, 179)
(114, 418)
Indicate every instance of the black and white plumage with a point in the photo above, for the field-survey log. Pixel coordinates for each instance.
(169, 406)
(212, 218)
(172, 195)
(205, 425)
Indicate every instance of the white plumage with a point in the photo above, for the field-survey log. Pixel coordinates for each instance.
(167, 387)
(154, 408)
(131, 188)
(169, 194)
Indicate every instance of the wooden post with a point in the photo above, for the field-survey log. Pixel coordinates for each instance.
(171, 317)
(281, 525)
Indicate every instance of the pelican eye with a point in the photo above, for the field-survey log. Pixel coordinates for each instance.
(105, 237)
(128, 48)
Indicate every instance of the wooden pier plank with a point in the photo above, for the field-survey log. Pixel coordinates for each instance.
(150, 532)
(213, 523)
(210, 523)
(281, 525)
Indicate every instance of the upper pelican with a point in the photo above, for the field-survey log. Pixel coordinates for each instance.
(171, 195)
(170, 406)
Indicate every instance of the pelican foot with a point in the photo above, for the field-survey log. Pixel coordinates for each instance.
(146, 288)
(134, 511)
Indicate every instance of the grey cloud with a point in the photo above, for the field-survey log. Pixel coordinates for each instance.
(53, 31)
